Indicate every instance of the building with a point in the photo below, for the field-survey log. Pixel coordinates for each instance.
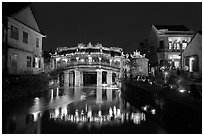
(138, 65)
(88, 64)
(22, 40)
(168, 41)
(126, 66)
(192, 57)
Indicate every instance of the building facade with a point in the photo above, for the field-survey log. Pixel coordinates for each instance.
(138, 65)
(168, 41)
(22, 40)
(192, 57)
(89, 64)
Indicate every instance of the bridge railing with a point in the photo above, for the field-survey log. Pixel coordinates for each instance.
(78, 63)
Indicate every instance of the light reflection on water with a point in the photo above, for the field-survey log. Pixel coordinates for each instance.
(76, 105)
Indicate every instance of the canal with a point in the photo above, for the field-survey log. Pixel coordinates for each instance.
(79, 110)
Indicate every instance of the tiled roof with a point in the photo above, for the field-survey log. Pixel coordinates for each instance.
(172, 27)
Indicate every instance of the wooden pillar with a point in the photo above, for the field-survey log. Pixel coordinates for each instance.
(66, 78)
(109, 77)
(99, 78)
(81, 78)
(77, 78)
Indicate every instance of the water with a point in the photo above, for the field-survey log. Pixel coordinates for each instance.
(78, 110)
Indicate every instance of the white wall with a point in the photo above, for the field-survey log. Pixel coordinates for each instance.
(195, 48)
(22, 49)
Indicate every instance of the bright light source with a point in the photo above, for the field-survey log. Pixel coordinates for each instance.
(36, 98)
(182, 90)
(145, 108)
(153, 111)
(35, 115)
(82, 60)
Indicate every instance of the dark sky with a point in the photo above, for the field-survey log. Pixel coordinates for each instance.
(122, 24)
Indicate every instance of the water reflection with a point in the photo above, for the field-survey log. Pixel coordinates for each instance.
(99, 116)
(96, 110)
(79, 106)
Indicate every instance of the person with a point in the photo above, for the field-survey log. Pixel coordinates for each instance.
(195, 92)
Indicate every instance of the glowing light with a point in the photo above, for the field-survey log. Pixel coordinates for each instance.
(99, 113)
(89, 114)
(165, 73)
(82, 60)
(89, 57)
(76, 113)
(35, 115)
(110, 112)
(114, 110)
(182, 90)
(145, 108)
(153, 111)
(36, 98)
(56, 113)
(57, 59)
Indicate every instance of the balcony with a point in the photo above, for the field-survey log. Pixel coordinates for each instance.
(169, 50)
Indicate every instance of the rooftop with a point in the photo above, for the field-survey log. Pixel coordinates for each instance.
(172, 27)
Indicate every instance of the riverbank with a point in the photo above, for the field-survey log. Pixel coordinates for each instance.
(178, 112)
(19, 86)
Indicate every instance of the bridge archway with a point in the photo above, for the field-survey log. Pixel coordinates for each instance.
(89, 78)
(113, 77)
(104, 77)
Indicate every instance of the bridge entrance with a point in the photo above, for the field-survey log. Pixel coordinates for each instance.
(90, 78)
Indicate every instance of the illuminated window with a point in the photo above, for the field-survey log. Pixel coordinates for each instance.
(178, 45)
(25, 37)
(194, 63)
(14, 32)
(184, 44)
(170, 45)
(174, 44)
(28, 61)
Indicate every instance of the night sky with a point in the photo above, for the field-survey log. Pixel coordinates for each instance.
(122, 25)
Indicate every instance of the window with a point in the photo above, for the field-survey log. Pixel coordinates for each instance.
(170, 45)
(28, 61)
(14, 32)
(178, 46)
(175, 45)
(25, 37)
(184, 44)
(37, 42)
(161, 44)
(195, 67)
